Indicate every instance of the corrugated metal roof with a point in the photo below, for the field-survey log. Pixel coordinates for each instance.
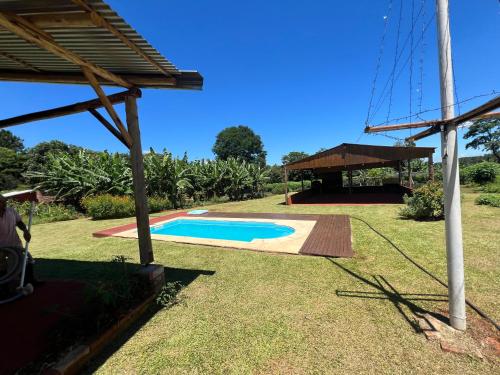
(95, 44)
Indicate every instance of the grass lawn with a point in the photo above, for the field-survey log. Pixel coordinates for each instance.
(258, 313)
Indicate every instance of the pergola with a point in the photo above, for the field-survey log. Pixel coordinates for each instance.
(86, 42)
(349, 157)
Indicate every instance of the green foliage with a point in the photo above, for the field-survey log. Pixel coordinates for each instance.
(107, 300)
(492, 200)
(279, 188)
(158, 204)
(107, 206)
(10, 141)
(11, 167)
(275, 174)
(480, 173)
(427, 203)
(485, 134)
(168, 295)
(37, 156)
(46, 212)
(240, 142)
(72, 177)
(294, 156)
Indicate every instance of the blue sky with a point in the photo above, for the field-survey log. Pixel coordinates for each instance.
(299, 73)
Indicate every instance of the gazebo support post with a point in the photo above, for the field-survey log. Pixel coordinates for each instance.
(400, 174)
(430, 165)
(349, 179)
(410, 180)
(137, 164)
(302, 179)
(286, 185)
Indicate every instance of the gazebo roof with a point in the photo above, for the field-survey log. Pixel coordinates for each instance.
(61, 36)
(354, 156)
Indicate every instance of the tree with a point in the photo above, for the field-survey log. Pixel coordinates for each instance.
(37, 155)
(240, 142)
(292, 157)
(485, 134)
(11, 167)
(10, 141)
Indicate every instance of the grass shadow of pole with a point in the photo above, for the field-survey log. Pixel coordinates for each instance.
(421, 268)
(392, 295)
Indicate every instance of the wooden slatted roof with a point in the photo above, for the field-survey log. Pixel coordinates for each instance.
(50, 41)
(354, 156)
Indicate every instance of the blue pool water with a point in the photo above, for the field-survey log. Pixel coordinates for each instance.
(245, 231)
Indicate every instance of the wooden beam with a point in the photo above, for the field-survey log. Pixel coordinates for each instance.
(68, 109)
(423, 134)
(431, 168)
(107, 104)
(409, 125)
(186, 80)
(108, 126)
(479, 111)
(100, 21)
(141, 201)
(32, 34)
(19, 61)
(56, 20)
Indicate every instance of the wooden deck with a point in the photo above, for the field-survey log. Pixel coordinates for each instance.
(330, 237)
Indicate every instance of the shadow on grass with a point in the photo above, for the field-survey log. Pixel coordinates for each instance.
(424, 270)
(400, 300)
(90, 272)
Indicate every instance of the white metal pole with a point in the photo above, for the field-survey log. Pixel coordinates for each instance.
(26, 249)
(451, 182)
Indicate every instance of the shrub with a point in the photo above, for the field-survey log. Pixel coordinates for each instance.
(157, 204)
(46, 212)
(108, 206)
(492, 200)
(279, 188)
(427, 203)
(480, 173)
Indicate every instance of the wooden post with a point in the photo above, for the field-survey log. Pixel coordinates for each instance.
(286, 186)
(410, 180)
(349, 178)
(141, 201)
(302, 179)
(431, 168)
(400, 174)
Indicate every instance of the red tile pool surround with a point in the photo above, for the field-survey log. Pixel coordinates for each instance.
(154, 220)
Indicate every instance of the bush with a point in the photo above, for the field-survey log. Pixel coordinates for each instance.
(480, 173)
(109, 206)
(492, 200)
(158, 204)
(427, 203)
(279, 188)
(46, 212)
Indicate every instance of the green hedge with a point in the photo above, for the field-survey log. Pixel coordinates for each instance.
(480, 173)
(279, 187)
(45, 212)
(489, 200)
(109, 206)
(427, 203)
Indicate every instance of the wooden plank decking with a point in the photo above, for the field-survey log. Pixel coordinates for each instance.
(330, 237)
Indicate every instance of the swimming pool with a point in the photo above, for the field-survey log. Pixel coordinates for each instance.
(244, 231)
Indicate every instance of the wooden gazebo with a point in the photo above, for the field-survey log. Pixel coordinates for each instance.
(86, 42)
(348, 157)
